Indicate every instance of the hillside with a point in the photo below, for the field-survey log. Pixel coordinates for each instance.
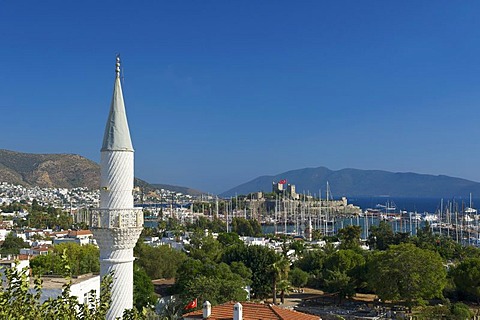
(52, 170)
(48, 170)
(355, 182)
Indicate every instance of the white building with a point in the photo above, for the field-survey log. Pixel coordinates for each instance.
(3, 234)
(21, 262)
(82, 237)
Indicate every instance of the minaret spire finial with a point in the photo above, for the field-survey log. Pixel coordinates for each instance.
(117, 65)
(117, 134)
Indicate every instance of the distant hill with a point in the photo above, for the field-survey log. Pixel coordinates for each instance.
(52, 170)
(355, 182)
(62, 171)
(48, 170)
(184, 190)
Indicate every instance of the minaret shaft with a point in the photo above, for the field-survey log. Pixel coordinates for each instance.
(116, 190)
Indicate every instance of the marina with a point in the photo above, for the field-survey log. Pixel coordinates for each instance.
(457, 219)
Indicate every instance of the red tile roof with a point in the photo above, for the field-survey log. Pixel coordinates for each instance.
(252, 311)
(76, 233)
(58, 233)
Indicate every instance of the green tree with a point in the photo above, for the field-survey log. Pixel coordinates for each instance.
(229, 239)
(148, 258)
(317, 234)
(350, 237)
(449, 249)
(13, 207)
(174, 224)
(298, 246)
(48, 217)
(246, 227)
(312, 262)
(143, 293)
(35, 206)
(207, 280)
(12, 244)
(298, 278)
(381, 236)
(461, 311)
(203, 223)
(148, 232)
(242, 270)
(279, 271)
(204, 247)
(346, 260)
(425, 238)
(339, 282)
(456, 311)
(466, 277)
(406, 272)
(81, 259)
(342, 271)
(18, 302)
(46, 264)
(284, 287)
(259, 259)
(189, 269)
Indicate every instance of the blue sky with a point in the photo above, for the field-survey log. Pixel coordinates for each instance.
(220, 92)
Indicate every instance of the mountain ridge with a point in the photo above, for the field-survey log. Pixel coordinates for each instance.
(72, 170)
(357, 182)
(48, 170)
(60, 170)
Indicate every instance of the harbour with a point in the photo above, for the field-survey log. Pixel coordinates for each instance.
(455, 218)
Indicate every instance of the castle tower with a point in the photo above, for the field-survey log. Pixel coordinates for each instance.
(116, 224)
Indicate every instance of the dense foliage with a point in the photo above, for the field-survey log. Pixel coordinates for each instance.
(12, 244)
(158, 262)
(18, 301)
(81, 259)
(143, 295)
(40, 216)
(85, 259)
(406, 272)
(258, 259)
(215, 282)
(246, 227)
(202, 223)
(398, 267)
(298, 278)
(466, 277)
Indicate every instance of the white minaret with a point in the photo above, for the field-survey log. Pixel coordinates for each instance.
(116, 225)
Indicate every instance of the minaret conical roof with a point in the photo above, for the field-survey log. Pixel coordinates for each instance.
(117, 134)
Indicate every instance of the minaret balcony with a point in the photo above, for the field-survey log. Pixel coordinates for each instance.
(116, 218)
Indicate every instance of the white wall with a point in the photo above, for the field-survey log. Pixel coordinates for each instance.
(81, 289)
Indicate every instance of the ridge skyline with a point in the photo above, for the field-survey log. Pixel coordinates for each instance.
(344, 182)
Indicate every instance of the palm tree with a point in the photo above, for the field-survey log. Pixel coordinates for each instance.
(279, 270)
(284, 287)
